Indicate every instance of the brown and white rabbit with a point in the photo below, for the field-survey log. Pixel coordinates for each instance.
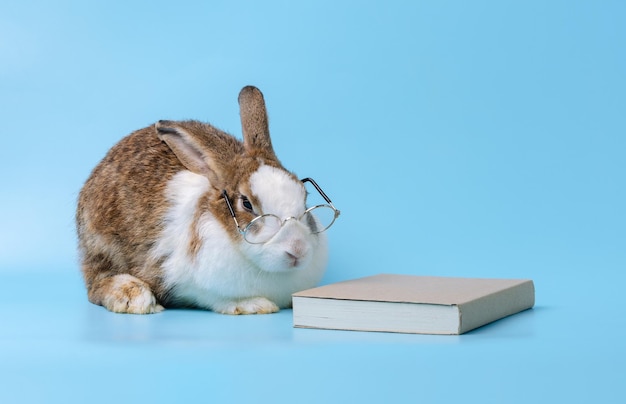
(155, 230)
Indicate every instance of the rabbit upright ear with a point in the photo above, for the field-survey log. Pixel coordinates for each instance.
(256, 133)
(190, 148)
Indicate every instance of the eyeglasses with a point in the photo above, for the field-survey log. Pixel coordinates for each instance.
(262, 228)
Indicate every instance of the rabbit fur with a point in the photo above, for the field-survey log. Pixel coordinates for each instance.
(154, 230)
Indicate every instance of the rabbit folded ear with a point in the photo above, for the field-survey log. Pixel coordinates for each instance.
(190, 148)
(254, 123)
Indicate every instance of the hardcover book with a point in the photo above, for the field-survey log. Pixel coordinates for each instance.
(411, 304)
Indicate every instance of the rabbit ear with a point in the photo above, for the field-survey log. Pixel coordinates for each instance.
(192, 146)
(256, 133)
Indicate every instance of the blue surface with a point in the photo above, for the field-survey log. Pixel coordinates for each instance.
(481, 139)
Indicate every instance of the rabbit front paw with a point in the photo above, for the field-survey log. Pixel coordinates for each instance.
(255, 305)
(128, 294)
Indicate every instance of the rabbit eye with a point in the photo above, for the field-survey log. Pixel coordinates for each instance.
(247, 205)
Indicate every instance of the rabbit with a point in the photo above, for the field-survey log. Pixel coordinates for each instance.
(155, 227)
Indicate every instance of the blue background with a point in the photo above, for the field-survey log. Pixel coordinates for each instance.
(459, 138)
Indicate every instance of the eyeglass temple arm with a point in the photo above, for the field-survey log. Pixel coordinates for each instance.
(230, 207)
(318, 189)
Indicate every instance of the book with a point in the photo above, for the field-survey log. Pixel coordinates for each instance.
(411, 304)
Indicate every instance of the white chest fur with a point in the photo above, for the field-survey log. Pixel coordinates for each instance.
(224, 272)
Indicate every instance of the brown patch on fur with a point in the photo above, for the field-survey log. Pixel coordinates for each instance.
(121, 206)
(196, 241)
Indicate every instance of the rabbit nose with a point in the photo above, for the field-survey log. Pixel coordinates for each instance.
(296, 252)
(298, 249)
(293, 260)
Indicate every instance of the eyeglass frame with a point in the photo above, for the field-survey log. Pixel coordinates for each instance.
(317, 187)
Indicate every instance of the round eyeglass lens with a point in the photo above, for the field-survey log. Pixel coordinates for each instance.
(319, 218)
(262, 229)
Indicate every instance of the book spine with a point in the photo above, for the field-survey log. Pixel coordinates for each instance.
(498, 305)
